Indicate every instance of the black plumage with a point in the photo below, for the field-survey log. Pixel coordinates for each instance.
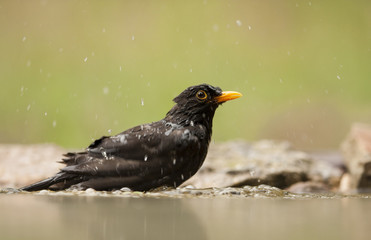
(162, 153)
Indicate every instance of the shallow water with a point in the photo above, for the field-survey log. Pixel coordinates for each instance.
(244, 213)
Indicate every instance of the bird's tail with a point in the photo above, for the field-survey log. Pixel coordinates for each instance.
(43, 184)
(46, 183)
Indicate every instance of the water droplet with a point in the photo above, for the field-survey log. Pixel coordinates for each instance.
(338, 77)
(162, 171)
(190, 70)
(142, 101)
(54, 124)
(109, 131)
(24, 39)
(85, 59)
(103, 30)
(104, 154)
(28, 107)
(174, 161)
(216, 27)
(182, 176)
(132, 37)
(120, 68)
(105, 90)
(145, 158)
(123, 139)
(192, 123)
(46, 114)
(249, 27)
(28, 63)
(239, 23)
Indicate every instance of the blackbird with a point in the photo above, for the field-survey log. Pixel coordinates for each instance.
(162, 153)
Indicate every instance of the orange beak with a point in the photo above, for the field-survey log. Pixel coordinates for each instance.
(226, 96)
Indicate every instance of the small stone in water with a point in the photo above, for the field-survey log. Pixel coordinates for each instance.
(44, 192)
(89, 191)
(125, 189)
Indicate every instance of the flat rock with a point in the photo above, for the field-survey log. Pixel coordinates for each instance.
(308, 187)
(356, 149)
(275, 163)
(21, 165)
(228, 164)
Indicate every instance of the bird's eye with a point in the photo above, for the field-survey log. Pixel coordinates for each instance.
(201, 95)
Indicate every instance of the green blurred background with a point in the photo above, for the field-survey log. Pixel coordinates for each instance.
(72, 71)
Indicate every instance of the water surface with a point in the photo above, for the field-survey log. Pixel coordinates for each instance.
(123, 215)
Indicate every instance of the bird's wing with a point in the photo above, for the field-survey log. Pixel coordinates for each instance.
(141, 149)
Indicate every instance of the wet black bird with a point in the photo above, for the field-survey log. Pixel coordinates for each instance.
(163, 153)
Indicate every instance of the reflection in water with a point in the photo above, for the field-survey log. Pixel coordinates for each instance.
(62, 217)
(120, 218)
(30, 216)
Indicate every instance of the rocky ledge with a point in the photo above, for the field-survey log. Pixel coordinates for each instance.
(231, 164)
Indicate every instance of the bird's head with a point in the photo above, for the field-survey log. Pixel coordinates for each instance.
(198, 103)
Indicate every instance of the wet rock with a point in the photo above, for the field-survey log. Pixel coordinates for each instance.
(357, 152)
(23, 164)
(229, 164)
(273, 163)
(345, 185)
(309, 187)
